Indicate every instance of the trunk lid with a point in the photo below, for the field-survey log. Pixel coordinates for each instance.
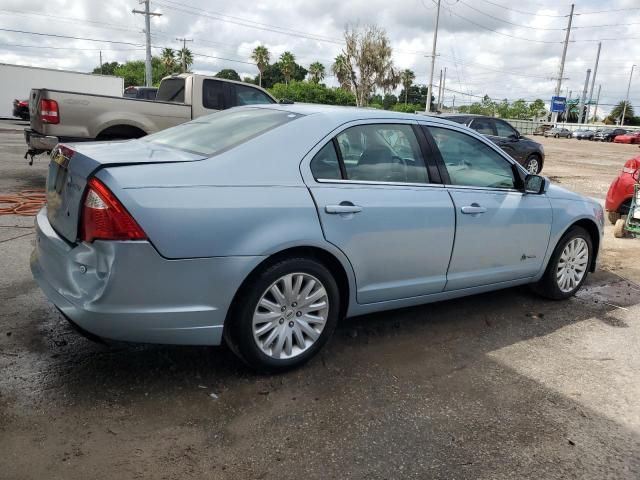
(73, 164)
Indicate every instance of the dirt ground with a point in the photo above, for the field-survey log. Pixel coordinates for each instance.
(503, 385)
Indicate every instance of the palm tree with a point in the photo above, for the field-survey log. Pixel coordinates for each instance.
(316, 72)
(186, 57)
(341, 70)
(287, 65)
(616, 112)
(260, 55)
(168, 60)
(407, 77)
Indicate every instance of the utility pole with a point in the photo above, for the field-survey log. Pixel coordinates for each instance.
(439, 92)
(554, 117)
(100, 62)
(433, 60)
(444, 82)
(453, 105)
(148, 74)
(595, 110)
(593, 82)
(626, 102)
(583, 97)
(182, 52)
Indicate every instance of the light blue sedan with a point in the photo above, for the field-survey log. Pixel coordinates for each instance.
(266, 225)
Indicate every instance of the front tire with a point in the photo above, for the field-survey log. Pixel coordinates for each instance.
(285, 315)
(568, 267)
(532, 164)
(613, 217)
(556, 136)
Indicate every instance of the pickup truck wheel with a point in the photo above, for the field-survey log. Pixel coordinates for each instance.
(120, 132)
(613, 217)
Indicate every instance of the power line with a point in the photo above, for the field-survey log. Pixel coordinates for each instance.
(71, 48)
(609, 11)
(71, 37)
(522, 11)
(507, 21)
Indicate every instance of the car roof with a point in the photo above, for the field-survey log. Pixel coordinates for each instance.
(345, 114)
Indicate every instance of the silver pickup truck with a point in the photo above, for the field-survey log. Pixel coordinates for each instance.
(60, 116)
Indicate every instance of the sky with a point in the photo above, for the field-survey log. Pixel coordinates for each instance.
(501, 48)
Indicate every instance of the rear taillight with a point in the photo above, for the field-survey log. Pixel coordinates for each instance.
(105, 218)
(49, 111)
(23, 103)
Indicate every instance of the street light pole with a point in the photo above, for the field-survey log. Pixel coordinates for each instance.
(433, 60)
(147, 23)
(626, 102)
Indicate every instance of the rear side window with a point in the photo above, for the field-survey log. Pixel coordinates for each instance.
(221, 131)
(171, 90)
(325, 165)
(483, 126)
(213, 95)
(504, 129)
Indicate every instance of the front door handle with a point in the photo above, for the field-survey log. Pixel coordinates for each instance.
(473, 208)
(344, 207)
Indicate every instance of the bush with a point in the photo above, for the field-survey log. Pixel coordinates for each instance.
(408, 108)
(309, 92)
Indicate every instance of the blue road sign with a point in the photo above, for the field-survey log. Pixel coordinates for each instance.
(558, 104)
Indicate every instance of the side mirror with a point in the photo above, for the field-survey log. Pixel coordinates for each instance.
(535, 184)
(285, 101)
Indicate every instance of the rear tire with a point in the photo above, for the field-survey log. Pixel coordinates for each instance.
(532, 164)
(567, 264)
(251, 325)
(556, 135)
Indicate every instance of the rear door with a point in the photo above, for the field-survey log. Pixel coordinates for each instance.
(502, 234)
(380, 206)
(509, 140)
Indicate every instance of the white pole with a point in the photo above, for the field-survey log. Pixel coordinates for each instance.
(433, 60)
(626, 102)
(564, 57)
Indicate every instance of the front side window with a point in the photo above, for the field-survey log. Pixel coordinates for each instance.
(483, 126)
(505, 130)
(470, 162)
(382, 153)
(223, 130)
(245, 95)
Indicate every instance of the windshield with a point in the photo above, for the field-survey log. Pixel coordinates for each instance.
(223, 130)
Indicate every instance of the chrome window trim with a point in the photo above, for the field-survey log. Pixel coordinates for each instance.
(376, 183)
(485, 189)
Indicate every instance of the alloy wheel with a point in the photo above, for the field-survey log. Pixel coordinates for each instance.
(572, 264)
(290, 316)
(533, 165)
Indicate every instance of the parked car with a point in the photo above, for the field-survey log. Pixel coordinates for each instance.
(526, 152)
(263, 226)
(607, 135)
(540, 129)
(60, 116)
(558, 132)
(629, 137)
(621, 190)
(583, 134)
(141, 93)
(21, 109)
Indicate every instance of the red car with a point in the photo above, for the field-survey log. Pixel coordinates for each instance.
(630, 137)
(621, 190)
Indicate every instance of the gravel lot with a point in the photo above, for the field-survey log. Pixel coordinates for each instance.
(501, 385)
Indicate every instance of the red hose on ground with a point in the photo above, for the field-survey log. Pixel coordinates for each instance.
(26, 203)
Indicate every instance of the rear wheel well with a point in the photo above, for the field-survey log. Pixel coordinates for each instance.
(594, 233)
(315, 253)
(116, 132)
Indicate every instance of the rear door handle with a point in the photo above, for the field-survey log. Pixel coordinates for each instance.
(344, 207)
(473, 208)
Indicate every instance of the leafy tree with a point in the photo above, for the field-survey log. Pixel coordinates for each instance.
(133, 72)
(367, 56)
(248, 80)
(408, 107)
(488, 105)
(502, 108)
(417, 94)
(388, 101)
(407, 77)
(107, 68)
(168, 59)
(519, 110)
(261, 56)
(287, 65)
(228, 73)
(537, 108)
(616, 112)
(316, 72)
(311, 92)
(273, 74)
(341, 70)
(186, 59)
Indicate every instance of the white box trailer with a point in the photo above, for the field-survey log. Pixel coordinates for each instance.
(16, 82)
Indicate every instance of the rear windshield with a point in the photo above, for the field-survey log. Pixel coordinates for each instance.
(171, 90)
(223, 130)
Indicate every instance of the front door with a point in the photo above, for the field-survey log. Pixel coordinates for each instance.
(376, 204)
(502, 234)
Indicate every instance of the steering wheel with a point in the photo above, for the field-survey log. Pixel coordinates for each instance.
(400, 161)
